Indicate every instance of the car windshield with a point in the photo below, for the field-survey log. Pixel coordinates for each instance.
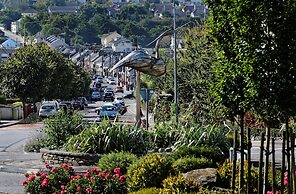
(95, 93)
(47, 107)
(119, 98)
(108, 108)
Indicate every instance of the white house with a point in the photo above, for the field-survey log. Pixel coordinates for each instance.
(15, 26)
(106, 39)
(122, 45)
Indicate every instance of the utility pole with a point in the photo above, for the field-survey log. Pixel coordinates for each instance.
(175, 66)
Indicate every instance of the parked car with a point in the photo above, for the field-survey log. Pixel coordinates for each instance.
(112, 81)
(77, 105)
(118, 89)
(108, 89)
(108, 110)
(128, 95)
(119, 100)
(83, 100)
(96, 95)
(120, 108)
(108, 96)
(63, 106)
(99, 79)
(47, 109)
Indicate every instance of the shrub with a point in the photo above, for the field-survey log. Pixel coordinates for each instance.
(62, 180)
(36, 143)
(95, 181)
(108, 137)
(148, 171)
(52, 182)
(212, 153)
(152, 190)
(120, 160)
(183, 165)
(178, 184)
(32, 118)
(225, 173)
(2, 99)
(60, 127)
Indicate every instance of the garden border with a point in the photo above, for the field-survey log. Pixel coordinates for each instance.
(70, 158)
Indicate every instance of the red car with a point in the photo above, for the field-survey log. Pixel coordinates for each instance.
(118, 89)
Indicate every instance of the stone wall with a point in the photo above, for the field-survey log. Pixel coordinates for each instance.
(73, 159)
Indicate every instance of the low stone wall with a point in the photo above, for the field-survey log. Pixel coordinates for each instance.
(73, 159)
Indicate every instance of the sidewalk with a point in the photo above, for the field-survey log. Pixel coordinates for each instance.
(6, 123)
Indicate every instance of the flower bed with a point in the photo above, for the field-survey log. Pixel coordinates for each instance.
(73, 159)
(62, 179)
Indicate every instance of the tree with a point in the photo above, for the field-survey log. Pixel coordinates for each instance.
(36, 72)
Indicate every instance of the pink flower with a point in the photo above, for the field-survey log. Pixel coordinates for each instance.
(44, 183)
(38, 173)
(277, 192)
(286, 182)
(53, 169)
(269, 192)
(92, 179)
(115, 175)
(107, 175)
(47, 165)
(63, 192)
(24, 182)
(117, 170)
(78, 188)
(122, 178)
(31, 178)
(43, 175)
(65, 166)
(101, 174)
(86, 175)
(95, 170)
(89, 190)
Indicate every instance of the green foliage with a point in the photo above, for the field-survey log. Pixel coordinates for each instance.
(212, 153)
(2, 99)
(114, 160)
(147, 191)
(213, 136)
(63, 179)
(36, 72)
(60, 127)
(183, 165)
(148, 171)
(37, 142)
(108, 137)
(164, 135)
(32, 118)
(178, 184)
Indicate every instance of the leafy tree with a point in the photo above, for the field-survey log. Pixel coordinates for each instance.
(36, 72)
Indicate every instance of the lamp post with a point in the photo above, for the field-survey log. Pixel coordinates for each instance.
(175, 65)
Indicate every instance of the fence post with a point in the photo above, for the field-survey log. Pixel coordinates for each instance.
(283, 162)
(234, 161)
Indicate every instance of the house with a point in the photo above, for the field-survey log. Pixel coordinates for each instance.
(29, 12)
(59, 44)
(188, 9)
(200, 11)
(39, 37)
(63, 9)
(106, 39)
(165, 9)
(10, 44)
(15, 26)
(122, 45)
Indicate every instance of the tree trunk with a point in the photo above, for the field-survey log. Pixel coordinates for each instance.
(242, 153)
(266, 158)
(283, 162)
(249, 191)
(273, 165)
(260, 180)
(288, 156)
(234, 161)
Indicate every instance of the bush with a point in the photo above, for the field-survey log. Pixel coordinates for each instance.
(60, 127)
(148, 171)
(147, 191)
(183, 165)
(36, 143)
(212, 153)
(32, 118)
(48, 182)
(178, 184)
(62, 180)
(120, 160)
(109, 137)
(2, 100)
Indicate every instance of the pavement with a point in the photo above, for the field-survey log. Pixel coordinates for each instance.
(6, 123)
